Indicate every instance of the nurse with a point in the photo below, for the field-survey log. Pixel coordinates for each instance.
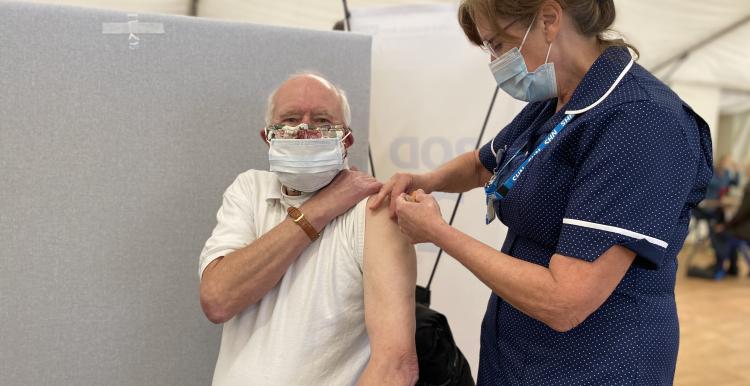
(594, 178)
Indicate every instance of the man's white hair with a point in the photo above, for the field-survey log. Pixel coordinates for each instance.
(345, 109)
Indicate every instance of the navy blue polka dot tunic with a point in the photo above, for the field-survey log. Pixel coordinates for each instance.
(625, 172)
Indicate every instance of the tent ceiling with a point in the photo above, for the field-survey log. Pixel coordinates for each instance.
(660, 29)
(663, 29)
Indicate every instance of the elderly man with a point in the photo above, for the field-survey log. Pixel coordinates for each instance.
(312, 287)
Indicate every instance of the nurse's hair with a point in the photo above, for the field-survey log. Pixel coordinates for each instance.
(591, 18)
(345, 109)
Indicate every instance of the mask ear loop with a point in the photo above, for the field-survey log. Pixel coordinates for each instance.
(527, 33)
(346, 151)
(548, 51)
(344, 137)
(265, 130)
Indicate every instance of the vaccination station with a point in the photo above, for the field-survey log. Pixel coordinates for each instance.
(375, 192)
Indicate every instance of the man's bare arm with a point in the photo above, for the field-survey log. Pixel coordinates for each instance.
(389, 281)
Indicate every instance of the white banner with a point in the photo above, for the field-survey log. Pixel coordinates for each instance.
(431, 90)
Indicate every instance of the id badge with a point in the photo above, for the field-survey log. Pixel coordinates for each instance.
(490, 216)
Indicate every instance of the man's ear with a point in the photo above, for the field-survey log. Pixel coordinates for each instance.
(263, 135)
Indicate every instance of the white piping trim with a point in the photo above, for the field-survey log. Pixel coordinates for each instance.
(606, 94)
(617, 230)
(492, 147)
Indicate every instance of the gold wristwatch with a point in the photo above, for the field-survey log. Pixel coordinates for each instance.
(299, 218)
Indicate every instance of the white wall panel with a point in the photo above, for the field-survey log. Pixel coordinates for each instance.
(175, 7)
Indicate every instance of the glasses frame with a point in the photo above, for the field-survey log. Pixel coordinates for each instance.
(325, 130)
(487, 45)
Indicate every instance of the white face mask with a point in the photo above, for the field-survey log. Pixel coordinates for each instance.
(306, 165)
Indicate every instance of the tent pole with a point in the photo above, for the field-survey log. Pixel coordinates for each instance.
(700, 44)
(458, 200)
(347, 27)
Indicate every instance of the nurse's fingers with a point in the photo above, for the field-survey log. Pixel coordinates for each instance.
(399, 205)
(400, 184)
(388, 190)
(384, 191)
(419, 195)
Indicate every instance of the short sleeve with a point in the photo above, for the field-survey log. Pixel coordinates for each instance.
(359, 214)
(634, 174)
(234, 226)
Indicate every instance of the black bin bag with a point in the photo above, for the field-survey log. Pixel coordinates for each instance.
(441, 363)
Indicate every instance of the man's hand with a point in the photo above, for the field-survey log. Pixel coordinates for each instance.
(346, 190)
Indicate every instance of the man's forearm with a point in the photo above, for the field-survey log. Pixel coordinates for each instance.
(401, 372)
(243, 277)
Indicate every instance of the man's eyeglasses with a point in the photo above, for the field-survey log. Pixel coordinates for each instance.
(305, 131)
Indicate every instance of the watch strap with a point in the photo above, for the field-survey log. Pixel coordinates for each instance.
(299, 218)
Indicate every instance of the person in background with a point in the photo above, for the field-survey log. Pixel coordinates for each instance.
(595, 180)
(713, 210)
(733, 234)
(311, 287)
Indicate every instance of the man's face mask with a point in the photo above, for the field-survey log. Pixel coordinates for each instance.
(514, 78)
(306, 158)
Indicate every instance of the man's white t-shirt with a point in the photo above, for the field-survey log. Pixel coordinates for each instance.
(310, 328)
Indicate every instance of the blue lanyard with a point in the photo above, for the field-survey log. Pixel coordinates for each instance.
(495, 192)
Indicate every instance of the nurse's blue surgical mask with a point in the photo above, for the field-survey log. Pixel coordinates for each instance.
(514, 78)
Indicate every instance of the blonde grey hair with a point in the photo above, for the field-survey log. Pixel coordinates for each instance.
(341, 94)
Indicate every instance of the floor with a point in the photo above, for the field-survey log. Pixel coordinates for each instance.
(714, 324)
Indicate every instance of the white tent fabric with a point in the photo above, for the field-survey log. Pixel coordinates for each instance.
(737, 139)
(318, 14)
(666, 28)
(660, 29)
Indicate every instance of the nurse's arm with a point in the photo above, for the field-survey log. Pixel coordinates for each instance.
(458, 175)
(390, 275)
(561, 296)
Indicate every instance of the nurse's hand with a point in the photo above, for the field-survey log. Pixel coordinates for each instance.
(395, 187)
(418, 216)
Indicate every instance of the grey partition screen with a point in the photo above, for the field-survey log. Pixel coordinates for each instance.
(115, 149)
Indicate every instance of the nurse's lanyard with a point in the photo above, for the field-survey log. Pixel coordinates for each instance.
(496, 193)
